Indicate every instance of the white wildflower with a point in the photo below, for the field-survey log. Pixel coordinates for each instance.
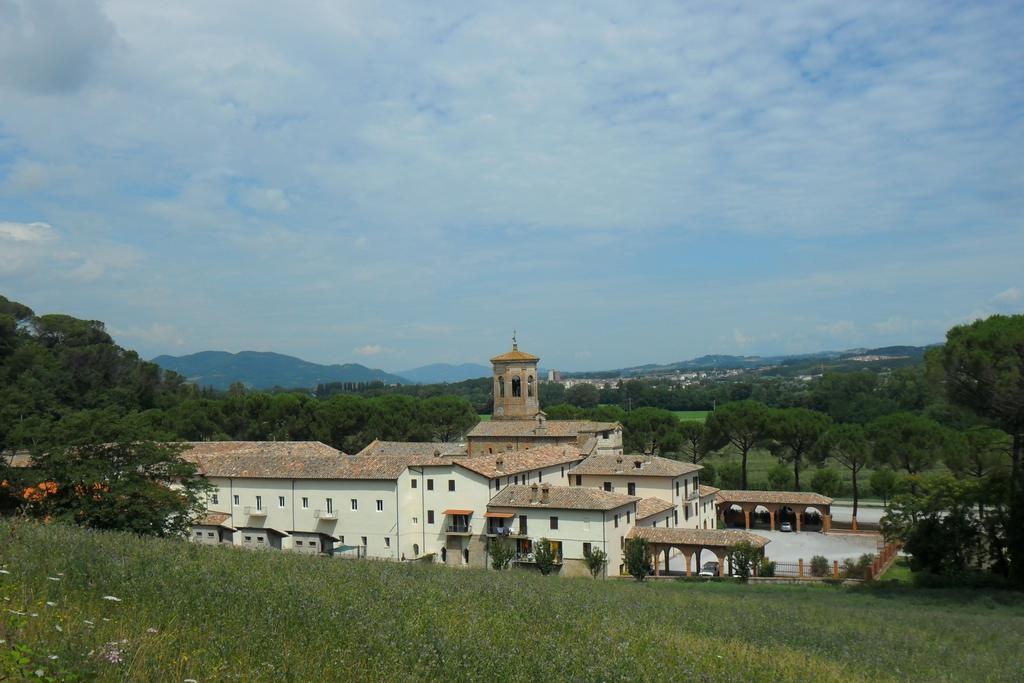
(88, 622)
(50, 604)
(52, 578)
(151, 630)
(39, 673)
(54, 657)
(4, 571)
(111, 598)
(58, 627)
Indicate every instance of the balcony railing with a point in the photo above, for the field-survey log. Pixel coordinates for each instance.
(253, 511)
(325, 514)
(505, 531)
(459, 529)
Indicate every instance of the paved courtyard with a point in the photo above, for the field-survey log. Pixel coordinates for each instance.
(790, 547)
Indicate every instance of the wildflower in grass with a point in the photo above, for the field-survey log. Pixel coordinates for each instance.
(151, 630)
(53, 578)
(111, 598)
(58, 627)
(53, 657)
(50, 604)
(4, 571)
(112, 653)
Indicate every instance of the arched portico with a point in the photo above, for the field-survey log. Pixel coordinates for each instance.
(776, 502)
(691, 544)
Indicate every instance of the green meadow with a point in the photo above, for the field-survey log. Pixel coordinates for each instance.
(111, 606)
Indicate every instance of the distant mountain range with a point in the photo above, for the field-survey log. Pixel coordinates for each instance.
(445, 372)
(850, 359)
(264, 370)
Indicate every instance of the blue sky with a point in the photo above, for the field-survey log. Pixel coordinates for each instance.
(404, 183)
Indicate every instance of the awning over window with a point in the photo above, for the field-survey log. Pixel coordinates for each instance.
(500, 515)
(458, 512)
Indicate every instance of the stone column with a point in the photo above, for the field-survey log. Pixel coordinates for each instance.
(828, 522)
(798, 517)
(746, 519)
(688, 556)
(771, 520)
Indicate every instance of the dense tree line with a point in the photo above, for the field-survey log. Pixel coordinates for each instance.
(64, 381)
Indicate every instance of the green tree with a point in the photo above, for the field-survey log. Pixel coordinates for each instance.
(938, 525)
(742, 424)
(651, 430)
(637, 558)
(743, 557)
(827, 481)
(582, 395)
(693, 440)
(780, 478)
(908, 442)
(795, 433)
(130, 485)
(981, 453)
(596, 560)
(449, 417)
(729, 475)
(848, 446)
(501, 553)
(983, 368)
(544, 556)
(884, 483)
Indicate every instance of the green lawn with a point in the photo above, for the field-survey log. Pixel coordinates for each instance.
(695, 415)
(899, 571)
(185, 611)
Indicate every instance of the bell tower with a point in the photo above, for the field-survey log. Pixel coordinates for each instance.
(516, 388)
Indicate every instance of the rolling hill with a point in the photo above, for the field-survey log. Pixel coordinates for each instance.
(438, 373)
(264, 370)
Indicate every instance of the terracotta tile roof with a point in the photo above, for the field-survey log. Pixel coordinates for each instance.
(287, 460)
(514, 462)
(531, 428)
(514, 355)
(412, 449)
(213, 519)
(783, 497)
(560, 498)
(708, 490)
(651, 466)
(707, 538)
(652, 505)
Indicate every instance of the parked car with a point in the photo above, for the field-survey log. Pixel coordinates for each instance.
(786, 526)
(709, 569)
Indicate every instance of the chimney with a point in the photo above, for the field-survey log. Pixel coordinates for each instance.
(545, 494)
(618, 464)
(533, 494)
(499, 465)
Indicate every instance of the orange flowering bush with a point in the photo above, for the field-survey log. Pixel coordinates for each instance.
(36, 494)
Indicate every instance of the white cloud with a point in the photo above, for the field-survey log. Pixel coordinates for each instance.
(1009, 296)
(741, 339)
(52, 46)
(839, 329)
(27, 232)
(269, 199)
(156, 335)
(369, 350)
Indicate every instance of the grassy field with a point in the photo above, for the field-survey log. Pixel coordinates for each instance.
(190, 612)
(694, 415)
